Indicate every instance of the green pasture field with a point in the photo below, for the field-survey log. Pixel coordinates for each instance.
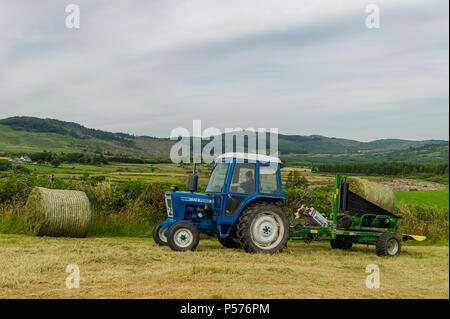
(439, 198)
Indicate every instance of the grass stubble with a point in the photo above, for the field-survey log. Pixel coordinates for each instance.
(125, 267)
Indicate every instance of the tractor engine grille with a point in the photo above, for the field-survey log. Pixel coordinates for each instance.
(169, 208)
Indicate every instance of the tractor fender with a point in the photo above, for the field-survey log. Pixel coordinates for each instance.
(258, 199)
(167, 223)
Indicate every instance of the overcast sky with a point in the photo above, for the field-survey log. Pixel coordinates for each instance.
(304, 67)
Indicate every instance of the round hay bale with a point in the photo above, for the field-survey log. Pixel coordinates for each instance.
(50, 212)
(376, 193)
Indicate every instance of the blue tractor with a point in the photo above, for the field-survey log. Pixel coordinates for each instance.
(239, 205)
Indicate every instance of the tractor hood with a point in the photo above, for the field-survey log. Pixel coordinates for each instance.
(184, 203)
(188, 198)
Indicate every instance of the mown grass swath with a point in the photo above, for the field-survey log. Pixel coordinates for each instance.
(130, 267)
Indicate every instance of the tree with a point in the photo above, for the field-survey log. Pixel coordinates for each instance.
(5, 166)
(55, 162)
(289, 181)
(295, 180)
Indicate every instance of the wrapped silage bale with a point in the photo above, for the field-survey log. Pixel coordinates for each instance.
(376, 193)
(50, 212)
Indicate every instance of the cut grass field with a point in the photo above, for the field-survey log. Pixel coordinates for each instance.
(165, 173)
(438, 198)
(35, 267)
(174, 173)
(117, 172)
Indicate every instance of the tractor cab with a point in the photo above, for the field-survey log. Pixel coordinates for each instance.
(241, 186)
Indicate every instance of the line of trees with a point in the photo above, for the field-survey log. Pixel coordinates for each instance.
(56, 159)
(7, 166)
(384, 168)
(125, 159)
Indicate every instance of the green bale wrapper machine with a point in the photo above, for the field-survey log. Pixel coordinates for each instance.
(368, 224)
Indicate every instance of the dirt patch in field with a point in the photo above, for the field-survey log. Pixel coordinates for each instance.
(404, 185)
(298, 169)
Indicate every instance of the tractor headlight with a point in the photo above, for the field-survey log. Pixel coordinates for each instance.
(169, 208)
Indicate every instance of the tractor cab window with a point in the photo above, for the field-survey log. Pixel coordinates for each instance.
(217, 178)
(268, 179)
(243, 180)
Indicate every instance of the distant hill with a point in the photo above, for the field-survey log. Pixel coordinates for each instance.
(316, 144)
(31, 134)
(421, 153)
(405, 142)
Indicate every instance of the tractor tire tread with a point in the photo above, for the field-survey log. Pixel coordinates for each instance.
(242, 228)
(156, 237)
(174, 228)
(382, 244)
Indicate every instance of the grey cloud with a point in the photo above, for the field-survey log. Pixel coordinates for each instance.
(130, 68)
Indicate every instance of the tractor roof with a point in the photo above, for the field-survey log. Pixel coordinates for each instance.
(250, 157)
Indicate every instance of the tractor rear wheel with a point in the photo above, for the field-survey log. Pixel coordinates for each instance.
(158, 235)
(183, 236)
(388, 245)
(263, 227)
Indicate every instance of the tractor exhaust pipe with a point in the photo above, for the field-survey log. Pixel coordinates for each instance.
(193, 181)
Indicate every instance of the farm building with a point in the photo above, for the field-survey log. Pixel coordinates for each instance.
(25, 159)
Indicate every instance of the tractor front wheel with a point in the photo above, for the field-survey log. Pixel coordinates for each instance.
(388, 245)
(158, 235)
(263, 227)
(182, 236)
